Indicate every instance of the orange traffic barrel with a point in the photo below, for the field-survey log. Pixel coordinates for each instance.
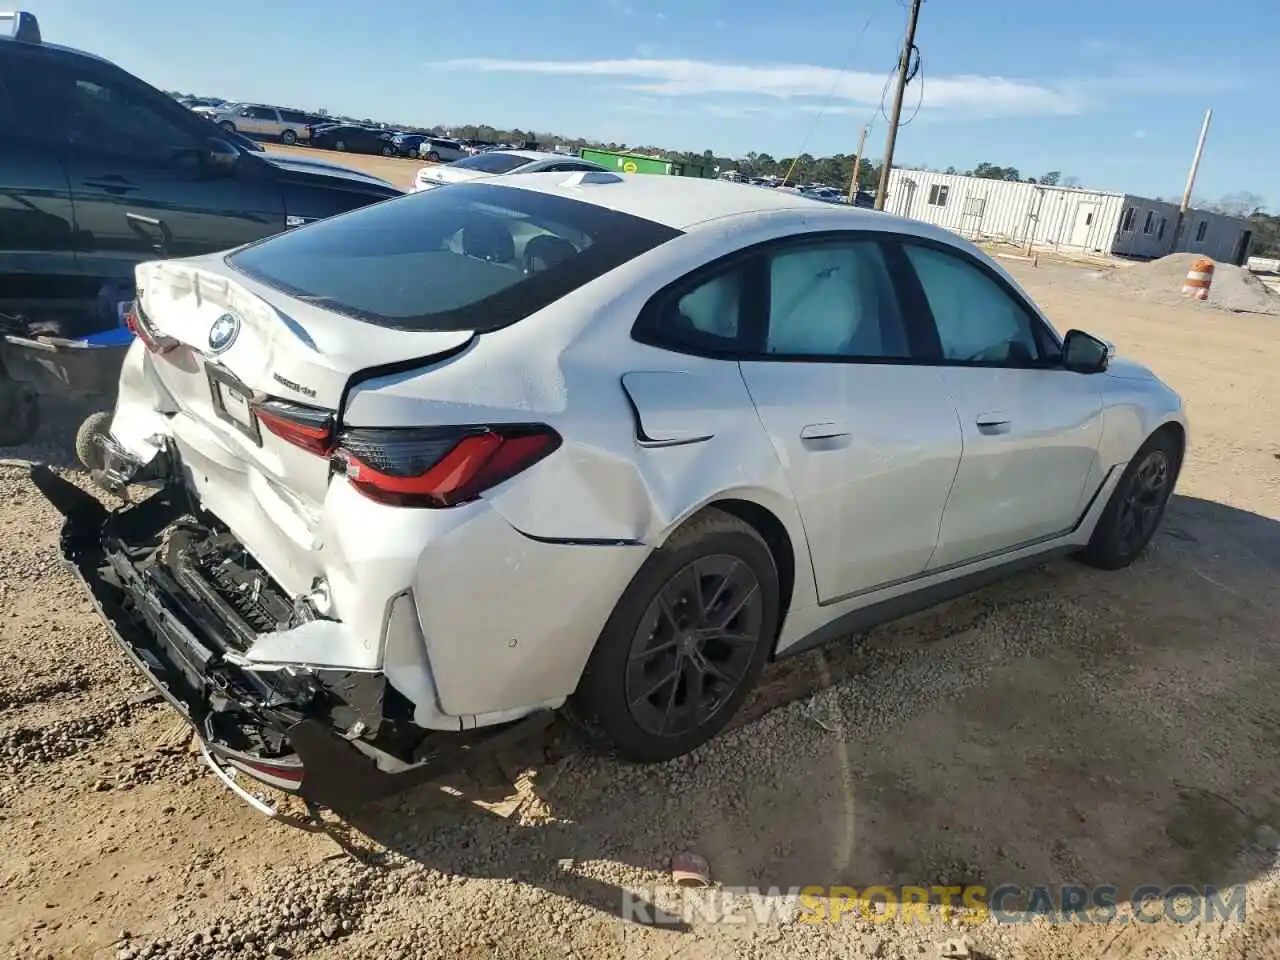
(1199, 279)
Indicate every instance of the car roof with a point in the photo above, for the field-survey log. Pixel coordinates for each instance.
(681, 202)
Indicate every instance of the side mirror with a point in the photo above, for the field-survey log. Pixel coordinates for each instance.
(221, 158)
(1085, 353)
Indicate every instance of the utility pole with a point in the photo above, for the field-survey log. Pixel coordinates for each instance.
(857, 164)
(904, 62)
(1191, 178)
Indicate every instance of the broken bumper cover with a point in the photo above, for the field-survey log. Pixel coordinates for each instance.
(234, 711)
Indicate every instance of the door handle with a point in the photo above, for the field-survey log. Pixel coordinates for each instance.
(823, 431)
(992, 421)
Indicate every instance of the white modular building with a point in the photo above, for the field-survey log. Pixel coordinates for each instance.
(1063, 218)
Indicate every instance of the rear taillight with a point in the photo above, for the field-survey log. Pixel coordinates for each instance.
(310, 428)
(439, 466)
(155, 341)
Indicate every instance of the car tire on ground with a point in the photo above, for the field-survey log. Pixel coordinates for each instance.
(228, 126)
(87, 450)
(1137, 504)
(288, 138)
(685, 643)
(19, 412)
(433, 157)
(339, 144)
(389, 151)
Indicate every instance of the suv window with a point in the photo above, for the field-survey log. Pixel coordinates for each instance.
(293, 116)
(978, 320)
(472, 257)
(260, 113)
(834, 299)
(100, 108)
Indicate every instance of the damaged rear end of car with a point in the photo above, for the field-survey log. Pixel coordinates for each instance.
(288, 506)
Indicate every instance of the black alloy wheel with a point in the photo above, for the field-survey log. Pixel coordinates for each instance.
(694, 645)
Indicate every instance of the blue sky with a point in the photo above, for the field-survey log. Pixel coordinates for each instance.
(1109, 91)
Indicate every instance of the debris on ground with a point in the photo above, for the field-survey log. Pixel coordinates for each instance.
(1234, 288)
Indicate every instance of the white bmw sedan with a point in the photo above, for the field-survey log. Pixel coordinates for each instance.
(435, 468)
(496, 163)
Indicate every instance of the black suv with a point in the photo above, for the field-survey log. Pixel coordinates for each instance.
(99, 171)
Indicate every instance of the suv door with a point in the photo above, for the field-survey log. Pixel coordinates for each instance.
(37, 225)
(139, 169)
(1031, 428)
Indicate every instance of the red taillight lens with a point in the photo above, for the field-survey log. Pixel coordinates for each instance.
(310, 428)
(440, 467)
(153, 340)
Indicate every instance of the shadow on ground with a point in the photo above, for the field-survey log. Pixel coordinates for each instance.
(1065, 727)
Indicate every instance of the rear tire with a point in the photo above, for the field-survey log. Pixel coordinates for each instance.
(389, 151)
(685, 643)
(1136, 506)
(433, 157)
(87, 450)
(340, 145)
(228, 126)
(288, 138)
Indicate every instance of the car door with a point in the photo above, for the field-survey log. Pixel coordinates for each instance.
(1031, 428)
(256, 121)
(867, 436)
(37, 223)
(141, 178)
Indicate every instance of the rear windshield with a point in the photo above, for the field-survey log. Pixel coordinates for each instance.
(462, 257)
(495, 163)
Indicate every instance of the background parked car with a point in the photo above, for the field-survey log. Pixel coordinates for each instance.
(496, 163)
(258, 120)
(353, 140)
(441, 150)
(103, 171)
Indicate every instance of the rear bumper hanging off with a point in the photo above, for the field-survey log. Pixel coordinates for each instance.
(273, 726)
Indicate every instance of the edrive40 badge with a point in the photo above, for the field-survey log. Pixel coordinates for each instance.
(224, 331)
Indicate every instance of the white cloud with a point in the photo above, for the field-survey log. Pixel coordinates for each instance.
(971, 94)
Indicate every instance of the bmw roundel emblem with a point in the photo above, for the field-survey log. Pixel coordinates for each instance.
(224, 331)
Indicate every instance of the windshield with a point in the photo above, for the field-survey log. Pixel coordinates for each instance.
(492, 163)
(470, 257)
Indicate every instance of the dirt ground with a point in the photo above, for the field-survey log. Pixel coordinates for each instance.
(1067, 726)
(397, 170)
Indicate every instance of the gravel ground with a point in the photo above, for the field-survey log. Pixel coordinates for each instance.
(1067, 726)
(1233, 288)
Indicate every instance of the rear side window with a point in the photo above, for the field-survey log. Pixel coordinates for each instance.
(36, 113)
(469, 257)
(495, 163)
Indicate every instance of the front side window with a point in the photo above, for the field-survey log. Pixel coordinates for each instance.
(494, 163)
(978, 321)
(834, 299)
(472, 257)
(112, 116)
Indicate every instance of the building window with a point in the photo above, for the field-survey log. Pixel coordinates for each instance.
(975, 206)
(1088, 219)
(1200, 231)
(1149, 225)
(1160, 232)
(938, 195)
(1126, 222)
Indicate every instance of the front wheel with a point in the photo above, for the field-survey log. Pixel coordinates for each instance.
(228, 126)
(685, 643)
(388, 151)
(340, 145)
(1136, 506)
